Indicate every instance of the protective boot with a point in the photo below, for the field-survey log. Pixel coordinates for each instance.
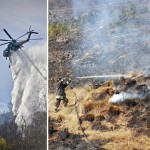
(65, 102)
(56, 109)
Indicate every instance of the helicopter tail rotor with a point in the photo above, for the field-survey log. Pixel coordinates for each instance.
(32, 31)
(29, 28)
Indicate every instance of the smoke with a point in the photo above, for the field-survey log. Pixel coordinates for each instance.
(123, 96)
(29, 91)
(114, 35)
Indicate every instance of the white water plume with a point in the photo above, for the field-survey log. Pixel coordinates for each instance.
(104, 76)
(29, 86)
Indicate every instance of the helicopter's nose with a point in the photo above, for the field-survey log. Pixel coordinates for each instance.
(6, 53)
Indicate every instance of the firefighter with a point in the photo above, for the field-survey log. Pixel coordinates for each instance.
(62, 83)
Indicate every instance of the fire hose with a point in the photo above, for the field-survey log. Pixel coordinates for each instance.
(79, 122)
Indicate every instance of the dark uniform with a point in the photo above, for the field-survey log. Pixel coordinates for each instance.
(60, 92)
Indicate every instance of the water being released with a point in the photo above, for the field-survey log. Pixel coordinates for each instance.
(104, 76)
(29, 86)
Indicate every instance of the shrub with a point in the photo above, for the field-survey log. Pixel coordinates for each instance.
(3, 144)
(56, 29)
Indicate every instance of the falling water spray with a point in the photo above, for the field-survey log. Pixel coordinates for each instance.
(28, 83)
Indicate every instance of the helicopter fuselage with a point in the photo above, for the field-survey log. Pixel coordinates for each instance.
(13, 47)
(13, 44)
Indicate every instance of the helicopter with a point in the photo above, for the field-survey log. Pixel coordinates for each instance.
(14, 44)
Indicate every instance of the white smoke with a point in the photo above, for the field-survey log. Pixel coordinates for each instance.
(114, 35)
(29, 86)
(123, 96)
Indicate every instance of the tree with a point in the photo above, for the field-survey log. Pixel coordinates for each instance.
(3, 144)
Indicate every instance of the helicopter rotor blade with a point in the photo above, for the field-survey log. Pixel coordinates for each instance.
(4, 43)
(22, 36)
(8, 34)
(4, 40)
(37, 39)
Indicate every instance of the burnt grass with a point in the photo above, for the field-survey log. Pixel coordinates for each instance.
(137, 114)
(62, 139)
(60, 55)
(73, 142)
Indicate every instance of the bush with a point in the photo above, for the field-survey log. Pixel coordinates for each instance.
(127, 13)
(3, 144)
(56, 29)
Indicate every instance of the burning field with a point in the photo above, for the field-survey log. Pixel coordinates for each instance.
(104, 48)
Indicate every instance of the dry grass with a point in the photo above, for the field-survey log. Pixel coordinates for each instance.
(122, 139)
(135, 74)
(117, 134)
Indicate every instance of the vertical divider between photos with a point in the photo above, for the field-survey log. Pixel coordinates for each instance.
(47, 77)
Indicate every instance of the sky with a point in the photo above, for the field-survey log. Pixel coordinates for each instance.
(16, 17)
